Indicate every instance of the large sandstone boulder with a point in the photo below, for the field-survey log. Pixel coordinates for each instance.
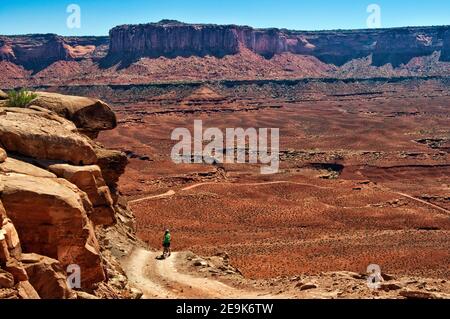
(45, 136)
(47, 276)
(50, 215)
(3, 95)
(90, 180)
(11, 165)
(88, 114)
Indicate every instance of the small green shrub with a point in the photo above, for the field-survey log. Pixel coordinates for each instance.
(20, 98)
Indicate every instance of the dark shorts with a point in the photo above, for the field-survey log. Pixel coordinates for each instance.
(166, 245)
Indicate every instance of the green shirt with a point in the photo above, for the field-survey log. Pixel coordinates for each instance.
(167, 238)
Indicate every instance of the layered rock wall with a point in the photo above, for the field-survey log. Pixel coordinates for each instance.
(172, 39)
(395, 46)
(56, 206)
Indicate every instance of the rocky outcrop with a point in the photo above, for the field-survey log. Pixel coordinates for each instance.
(13, 276)
(89, 115)
(47, 276)
(55, 203)
(43, 135)
(112, 164)
(51, 216)
(35, 51)
(89, 179)
(11, 165)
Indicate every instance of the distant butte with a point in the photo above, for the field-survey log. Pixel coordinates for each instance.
(231, 51)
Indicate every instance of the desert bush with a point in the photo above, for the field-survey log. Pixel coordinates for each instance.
(20, 98)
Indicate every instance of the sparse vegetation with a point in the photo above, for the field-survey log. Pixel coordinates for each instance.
(20, 98)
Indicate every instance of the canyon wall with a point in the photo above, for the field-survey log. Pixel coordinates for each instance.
(33, 51)
(172, 40)
(171, 50)
(37, 51)
(395, 46)
(168, 38)
(59, 203)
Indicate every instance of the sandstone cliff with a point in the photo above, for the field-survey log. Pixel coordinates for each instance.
(169, 38)
(59, 205)
(127, 44)
(172, 39)
(35, 52)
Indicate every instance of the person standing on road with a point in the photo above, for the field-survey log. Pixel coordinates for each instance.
(166, 243)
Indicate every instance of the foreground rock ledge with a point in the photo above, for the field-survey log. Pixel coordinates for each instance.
(59, 201)
(50, 216)
(45, 136)
(90, 180)
(90, 115)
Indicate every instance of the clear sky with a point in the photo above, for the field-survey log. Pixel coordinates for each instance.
(98, 16)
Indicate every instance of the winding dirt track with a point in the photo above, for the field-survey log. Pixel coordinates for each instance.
(441, 209)
(417, 200)
(172, 192)
(160, 279)
(167, 194)
(163, 279)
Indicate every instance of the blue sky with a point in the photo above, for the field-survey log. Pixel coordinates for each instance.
(98, 16)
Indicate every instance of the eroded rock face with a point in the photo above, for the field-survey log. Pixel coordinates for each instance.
(13, 277)
(113, 164)
(51, 219)
(172, 39)
(47, 276)
(33, 52)
(90, 115)
(90, 180)
(53, 206)
(45, 136)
